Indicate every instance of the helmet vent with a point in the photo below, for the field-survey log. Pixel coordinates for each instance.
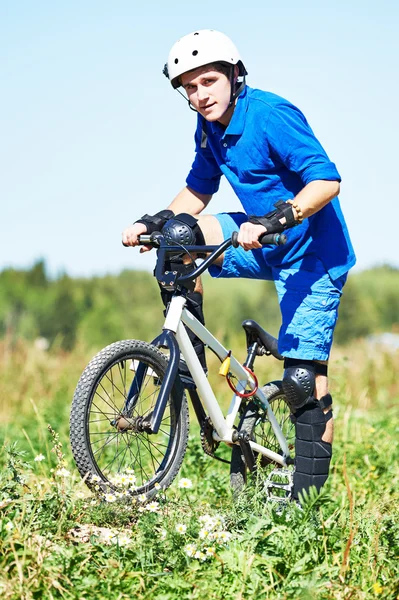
(196, 33)
(195, 52)
(176, 61)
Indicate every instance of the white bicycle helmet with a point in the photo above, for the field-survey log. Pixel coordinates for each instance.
(198, 49)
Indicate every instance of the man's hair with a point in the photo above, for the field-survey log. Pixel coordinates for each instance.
(220, 67)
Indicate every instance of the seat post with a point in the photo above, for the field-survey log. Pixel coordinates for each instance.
(250, 360)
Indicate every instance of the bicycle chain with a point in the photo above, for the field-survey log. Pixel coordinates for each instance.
(209, 445)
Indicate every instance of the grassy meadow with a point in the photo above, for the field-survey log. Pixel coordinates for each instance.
(60, 541)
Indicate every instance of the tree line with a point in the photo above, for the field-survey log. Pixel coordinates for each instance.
(96, 311)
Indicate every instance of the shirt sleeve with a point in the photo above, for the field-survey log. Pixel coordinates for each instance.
(291, 138)
(205, 173)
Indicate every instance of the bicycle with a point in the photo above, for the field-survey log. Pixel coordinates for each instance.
(130, 420)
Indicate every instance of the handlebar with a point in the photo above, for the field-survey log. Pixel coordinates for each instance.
(171, 280)
(155, 240)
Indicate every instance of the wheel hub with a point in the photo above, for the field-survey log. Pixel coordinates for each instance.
(137, 424)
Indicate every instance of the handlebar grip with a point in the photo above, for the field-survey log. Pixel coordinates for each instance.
(277, 239)
(234, 237)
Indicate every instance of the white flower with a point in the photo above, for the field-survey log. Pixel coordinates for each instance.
(190, 550)
(180, 528)
(131, 479)
(185, 483)
(9, 526)
(142, 498)
(79, 495)
(152, 507)
(124, 479)
(63, 472)
(93, 502)
(129, 471)
(108, 535)
(124, 540)
(39, 458)
(223, 536)
(157, 486)
(200, 555)
(95, 479)
(203, 533)
(110, 498)
(210, 551)
(163, 534)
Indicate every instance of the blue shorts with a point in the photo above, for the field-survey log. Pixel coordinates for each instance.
(308, 298)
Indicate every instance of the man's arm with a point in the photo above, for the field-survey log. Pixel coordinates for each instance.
(187, 201)
(315, 195)
(310, 200)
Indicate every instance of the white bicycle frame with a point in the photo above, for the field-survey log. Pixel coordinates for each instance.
(223, 426)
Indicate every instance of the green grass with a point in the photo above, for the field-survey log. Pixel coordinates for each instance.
(344, 544)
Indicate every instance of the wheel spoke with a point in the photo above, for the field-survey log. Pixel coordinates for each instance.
(105, 449)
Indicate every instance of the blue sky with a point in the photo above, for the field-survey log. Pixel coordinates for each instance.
(92, 136)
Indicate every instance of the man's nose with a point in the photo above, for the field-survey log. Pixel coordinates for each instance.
(202, 93)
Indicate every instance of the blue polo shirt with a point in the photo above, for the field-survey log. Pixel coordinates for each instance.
(267, 153)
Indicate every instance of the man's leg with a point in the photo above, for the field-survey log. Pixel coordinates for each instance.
(309, 302)
(311, 414)
(321, 390)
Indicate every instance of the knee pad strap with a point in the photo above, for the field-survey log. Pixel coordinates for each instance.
(312, 455)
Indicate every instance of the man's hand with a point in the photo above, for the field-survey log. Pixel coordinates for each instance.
(130, 236)
(249, 234)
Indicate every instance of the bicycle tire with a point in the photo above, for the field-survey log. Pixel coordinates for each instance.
(104, 453)
(254, 421)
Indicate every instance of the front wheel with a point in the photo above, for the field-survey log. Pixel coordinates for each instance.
(255, 422)
(110, 446)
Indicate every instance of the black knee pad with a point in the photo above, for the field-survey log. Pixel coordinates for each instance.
(299, 381)
(312, 455)
(183, 229)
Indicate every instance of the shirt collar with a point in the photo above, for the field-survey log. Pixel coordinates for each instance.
(237, 122)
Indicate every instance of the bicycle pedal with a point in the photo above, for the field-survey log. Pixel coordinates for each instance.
(280, 480)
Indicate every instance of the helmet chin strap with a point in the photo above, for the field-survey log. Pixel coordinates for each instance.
(237, 92)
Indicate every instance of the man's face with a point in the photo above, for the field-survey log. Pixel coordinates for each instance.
(209, 93)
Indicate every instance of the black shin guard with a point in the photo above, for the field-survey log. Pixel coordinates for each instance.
(312, 455)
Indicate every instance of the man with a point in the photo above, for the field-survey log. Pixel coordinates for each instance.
(285, 181)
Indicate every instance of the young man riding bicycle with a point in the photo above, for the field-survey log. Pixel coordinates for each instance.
(285, 182)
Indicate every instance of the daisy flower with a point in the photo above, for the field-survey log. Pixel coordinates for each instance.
(185, 483)
(110, 498)
(39, 458)
(180, 528)
(152, 507)
(190, 550)
(203, 533)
